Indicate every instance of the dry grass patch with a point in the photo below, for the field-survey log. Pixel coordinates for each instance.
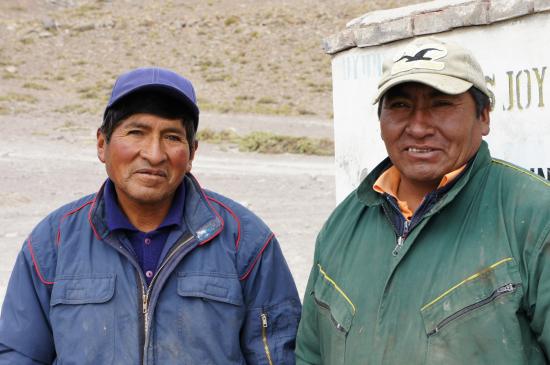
(266, 142)
(18, 98)
(75, 109)
(35, 86)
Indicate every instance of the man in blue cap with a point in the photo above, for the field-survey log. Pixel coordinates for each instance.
(151, 269)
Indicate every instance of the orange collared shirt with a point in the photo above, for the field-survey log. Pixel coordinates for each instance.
(389, 182)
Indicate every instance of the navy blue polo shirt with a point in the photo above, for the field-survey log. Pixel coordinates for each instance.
(147, 246)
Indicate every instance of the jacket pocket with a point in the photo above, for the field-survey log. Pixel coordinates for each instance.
(476, 320)
(203, 308)
(83, 319)
(217, 287)
(336, 314)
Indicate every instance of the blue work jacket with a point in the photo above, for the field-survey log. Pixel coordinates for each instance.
(223, 293)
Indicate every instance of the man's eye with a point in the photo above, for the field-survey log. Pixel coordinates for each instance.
(173, 137)
(442, 103)
(398, 105)
(136, 132)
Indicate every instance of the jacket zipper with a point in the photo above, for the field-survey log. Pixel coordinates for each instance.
(401, 239)
(263, 317)
(406, 223)
(127, 253)
(505, 289)
(338, 326)
(146, 292)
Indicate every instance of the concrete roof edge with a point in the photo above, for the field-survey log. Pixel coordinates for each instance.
(384, 26)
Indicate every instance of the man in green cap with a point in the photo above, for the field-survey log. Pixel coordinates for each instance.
(442, 254)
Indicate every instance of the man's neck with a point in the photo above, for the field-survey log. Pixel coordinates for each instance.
(145, 217)
(413, 193)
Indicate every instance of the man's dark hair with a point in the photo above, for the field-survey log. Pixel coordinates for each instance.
(151, 102)
(481, 100)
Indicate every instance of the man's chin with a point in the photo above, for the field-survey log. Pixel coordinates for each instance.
(422, 176)
(149, 180)
(145, 195)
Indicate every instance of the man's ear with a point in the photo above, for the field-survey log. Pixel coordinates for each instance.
(101, 144)
(485, 120)
(192, 155)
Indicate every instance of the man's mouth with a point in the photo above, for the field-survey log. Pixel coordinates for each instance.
(152, 172)
(419, 149)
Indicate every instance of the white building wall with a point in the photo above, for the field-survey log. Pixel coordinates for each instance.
(515, 57)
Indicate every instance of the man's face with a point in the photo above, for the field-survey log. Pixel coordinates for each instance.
(429, 134)
(146, 158)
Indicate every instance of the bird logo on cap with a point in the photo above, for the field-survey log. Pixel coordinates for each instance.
(420, 57)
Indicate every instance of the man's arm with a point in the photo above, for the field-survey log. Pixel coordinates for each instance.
(307, 339)
(273, 308)
(11, 357)
(25, 333)
(538, 295)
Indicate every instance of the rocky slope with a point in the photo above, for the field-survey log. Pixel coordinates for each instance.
(247, 56)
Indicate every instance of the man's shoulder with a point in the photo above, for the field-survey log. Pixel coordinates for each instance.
(48, 227)
(352, 203)
(344, 217)
(43, 241)
(236, 214)
(519, 194)
(517, 179)
(72, 208)
(249, 235)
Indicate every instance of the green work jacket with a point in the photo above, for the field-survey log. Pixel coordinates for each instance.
(468, 284)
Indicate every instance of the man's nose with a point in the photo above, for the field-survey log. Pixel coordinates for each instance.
(420, 123)
(153, 151)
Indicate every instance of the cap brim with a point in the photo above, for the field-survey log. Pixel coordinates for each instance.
(444, 83)
(168, 90)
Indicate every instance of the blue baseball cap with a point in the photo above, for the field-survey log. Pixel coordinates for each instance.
(160, 79)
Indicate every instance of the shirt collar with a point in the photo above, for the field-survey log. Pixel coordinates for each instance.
(175, 214)
(388, 182)
(116, 219)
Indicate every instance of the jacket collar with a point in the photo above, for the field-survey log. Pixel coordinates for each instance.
(369, 197)
(116, 219)
(198, 215)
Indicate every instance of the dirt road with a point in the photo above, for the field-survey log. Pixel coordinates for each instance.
(50, 160)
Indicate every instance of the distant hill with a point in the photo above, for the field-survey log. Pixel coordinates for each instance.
(250, 56)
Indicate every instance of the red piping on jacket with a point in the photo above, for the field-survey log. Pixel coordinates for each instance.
(257, 257)
(234, 217)
(35, 264)
(58, 239)
(215, 212)
(90, 218)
